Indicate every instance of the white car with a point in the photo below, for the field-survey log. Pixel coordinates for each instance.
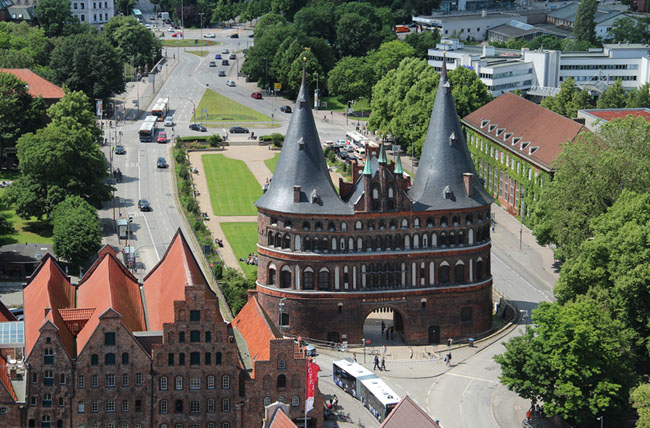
(230, 83)
(171, 29)
(169, 121)
(225, 51)
(210, 36)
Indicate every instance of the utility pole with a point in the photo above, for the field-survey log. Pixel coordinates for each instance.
(201, 41)
(182, 21)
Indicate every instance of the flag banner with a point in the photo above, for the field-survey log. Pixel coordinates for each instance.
(312, 380)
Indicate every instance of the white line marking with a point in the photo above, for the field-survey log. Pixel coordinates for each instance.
(471, 377)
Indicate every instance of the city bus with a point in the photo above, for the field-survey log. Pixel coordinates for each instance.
(348, 375)
(138, 15)
(355, 140)
(148, 129)
(160, 108)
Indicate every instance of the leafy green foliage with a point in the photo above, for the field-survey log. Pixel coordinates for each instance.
(351, 78)
(55, 18)
(75, 111)
(19, 112)
(569, 100)
(630, 30)
(613, 97)
(87, 62)
(576, 360)
(316, 21)
(584, 28)
(422, 42)
(468, 91)
(640, 399)
(77, 232)
(388, 57)
(639, 97)
(235, 288)
(22, 46)
(132, 40)
(125, 6)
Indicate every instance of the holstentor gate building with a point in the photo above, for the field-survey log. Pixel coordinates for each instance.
(327, 261)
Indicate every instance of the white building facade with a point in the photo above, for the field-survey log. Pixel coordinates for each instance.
(93, 12)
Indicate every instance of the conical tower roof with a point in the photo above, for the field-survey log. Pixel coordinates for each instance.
(439, 182)
(302, 163)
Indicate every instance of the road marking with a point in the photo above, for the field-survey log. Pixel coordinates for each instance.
(471, 377)
(133, 164)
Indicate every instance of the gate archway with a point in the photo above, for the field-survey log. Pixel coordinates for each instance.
(384, 325)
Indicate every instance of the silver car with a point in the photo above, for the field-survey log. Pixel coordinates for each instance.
(169, 121)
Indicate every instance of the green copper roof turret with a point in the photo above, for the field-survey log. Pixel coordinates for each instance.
(382, 154)
(398, 166)
(367, 169)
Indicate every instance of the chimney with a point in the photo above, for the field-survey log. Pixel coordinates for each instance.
(468, 179)
(296, 194)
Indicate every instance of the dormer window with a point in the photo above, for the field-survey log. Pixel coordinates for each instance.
(485, 123)
(302, 103)
(500, 131)
(524, 145)
(492, 128)
(452, 139)
(301, 144)
(516, 140)
(532, 149)
(448, 193)
(507, 135)
(314, 197)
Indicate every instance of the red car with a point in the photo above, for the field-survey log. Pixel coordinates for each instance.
(162, 137)
(179, 34)
(257, 95)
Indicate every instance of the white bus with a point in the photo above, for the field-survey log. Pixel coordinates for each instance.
(160, 108)
(148, 129)
(355, 140)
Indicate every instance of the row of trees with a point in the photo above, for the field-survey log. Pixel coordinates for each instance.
(589, 352)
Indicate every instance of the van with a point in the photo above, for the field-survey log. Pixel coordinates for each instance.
(360, 152)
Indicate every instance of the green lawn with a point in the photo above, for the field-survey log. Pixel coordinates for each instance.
(198, 53)
(31, 231)
(335, 104)
(273, 162)
(233, 188)
(186, 42)
(223, 109)
(242, 237)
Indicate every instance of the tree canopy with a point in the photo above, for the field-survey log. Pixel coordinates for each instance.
(629, 30)
(351, 78)
(469, 92)
(640, 399)
(569, 100)
(133, 40)
(422, 42)
(584, 27)
(55, 17)
(19, 111)
(77, 231)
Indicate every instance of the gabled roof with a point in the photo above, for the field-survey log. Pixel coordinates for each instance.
(4, 379)
(439, 182)
(618, 113)
(302, 163)
(408, 414)
(257, 331)
(281, 420)
(167, 280)
(528, 123)
(48, 287)
(38, 87)
(5, 314)
(108, 284)
(67, 339)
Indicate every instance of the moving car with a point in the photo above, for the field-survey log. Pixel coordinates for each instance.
(238, 130)
(161, 163)
(162, 137)
(120, 150)
(257, 95)
(171, 29)
(233, 56)
(285, 109)
(210, 36)
(222, 73)
(225, 62)
(198, 127)
(143, 205)
(169, 120)
(217, 56)
(225, 51)
(230, 83)
(179, 34)
(234, 36)
(213, 64)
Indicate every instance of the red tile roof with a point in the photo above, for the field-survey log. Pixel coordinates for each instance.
(67, 339)
(408, 414)
(48, 287)
(5, 314)
(108, 284)
(281, 420)
(522, 121)
(76, 318)
(611, 114)
(38, 87)
(4, 378)
(167, 280)
(257, 331)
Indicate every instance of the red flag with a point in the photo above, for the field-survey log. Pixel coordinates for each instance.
(312, 381)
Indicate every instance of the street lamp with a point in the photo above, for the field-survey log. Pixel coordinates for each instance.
(281, 307)
(601, 419)
(201, 41)
(316, 98)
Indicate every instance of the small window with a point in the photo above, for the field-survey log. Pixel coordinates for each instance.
(195, 315)
(94, 360)
(109, 359)
(163, 383)
(210, 382)
(109, 339)
(163, 407)
(125, 358)
(282, 364)
(207, 358)
(225, 382)
(170, 359)
(225, 405)
(295, 401)
(179, 383)
(62, 379)
(195, 358)
(181, 359)
(181, 337)
(195, 336)
(195, 383)
(110, 380)
(208, 336)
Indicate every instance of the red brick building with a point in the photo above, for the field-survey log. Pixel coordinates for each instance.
(111, 352)
(327, 261)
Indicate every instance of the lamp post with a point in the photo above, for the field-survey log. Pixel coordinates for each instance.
(316, 94)
(521, 216)
(601, 419)
(281, 307)
(201, 41)
(182, 22)
(266, 73)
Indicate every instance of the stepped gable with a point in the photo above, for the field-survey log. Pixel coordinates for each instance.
(302, 164)
(167, 280)
(439, 182)
(109, 285)
(257, 330)
(48, 287)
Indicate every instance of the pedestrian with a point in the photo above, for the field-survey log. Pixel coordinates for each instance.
(410, 353)
(384, 350)
(449, 342)
(383, 364)
(446, 360)
(528, 414)
(538, 410)
(449, 359)
(354, 356)
(383, 327)
(392, 330)
(387, 333)
(376, 362)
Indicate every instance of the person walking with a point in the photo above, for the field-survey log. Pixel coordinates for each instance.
(383, 327)
(376, 362)
(354, 356)
(410, 353)
(383, 364)
(448, 359)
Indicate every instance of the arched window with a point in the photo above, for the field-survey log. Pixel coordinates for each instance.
(308, 279)
(125, 358)
(378, 245)
(282, 364)
(306, 225)
(334, 245)
(405, 223)
(470, 237)
(443, 221)
(391, 194)
(178, 383)
(388, 242)
(430, 222)
(443, 239)
(278, 240)
(459, 273)
(407, 242)
(443, 273)
(425, 240)
(416, 222)
(392, 224)
(331, 227)
(480, 271)
(455, 220)
(287, 241)
(296, 243)
(271, 241)
(468, 219)
(351, 244)
(423, 273)
(416, 241)
(324, 279)
(358, 225)
(359, 244)
(94, 360)
(319, 226)
(368, 246)
(434, 240)
(217, 358)
(344, 227)
(371, 225)
(287, 224)
(452, 239)
(375, 193)
(285, 277)
(109, 359)
(432, 270)
(461, 238)
(282, 381)
(271, 280)
(324, 244)
(307, 243)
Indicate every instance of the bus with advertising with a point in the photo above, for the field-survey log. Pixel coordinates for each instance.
(355, 140)
(402, 29)
(148, 129)
(161, 108)
(138, 15)
(365, 386)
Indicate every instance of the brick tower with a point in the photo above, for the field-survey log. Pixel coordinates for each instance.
(327, 261)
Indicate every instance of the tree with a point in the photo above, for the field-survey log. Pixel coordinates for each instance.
(23, 46)
(576, 360)
(640, 399)
(76, 232)
(316, 21)
(55, 17)
(388, 56)
(629, 30)
(354, 35)
(351, 79)
(295, 72)
(133, 40)
(125, 6)
(569, 100)
(422, 42)
(545, 41)
(639, 97)
(58, 161)
(584, 27)
(287, 8)
(469, 92)
(75, 111)
(613, 97)
(19, 112)
(87, 62)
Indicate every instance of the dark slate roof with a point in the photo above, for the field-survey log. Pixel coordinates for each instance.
(443, 162)
(359, 186)
(302, 166)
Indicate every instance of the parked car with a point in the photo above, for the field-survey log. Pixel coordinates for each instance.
(251, 35)
(210, 36)
(162, 137)
(171, 29)
(169, 120)
(198, 127)
(217, 56)
(238, 130)
(120, 150)
(213, 64)
(225, 62)
(230, 83)
(285, 109)
(222, 73)
(234, 36)
(179, 34)
(233, 56)
(225, 51)
(161, 163)
(257, 95)
(144, 205)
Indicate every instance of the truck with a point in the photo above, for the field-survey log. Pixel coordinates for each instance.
(164, 16)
